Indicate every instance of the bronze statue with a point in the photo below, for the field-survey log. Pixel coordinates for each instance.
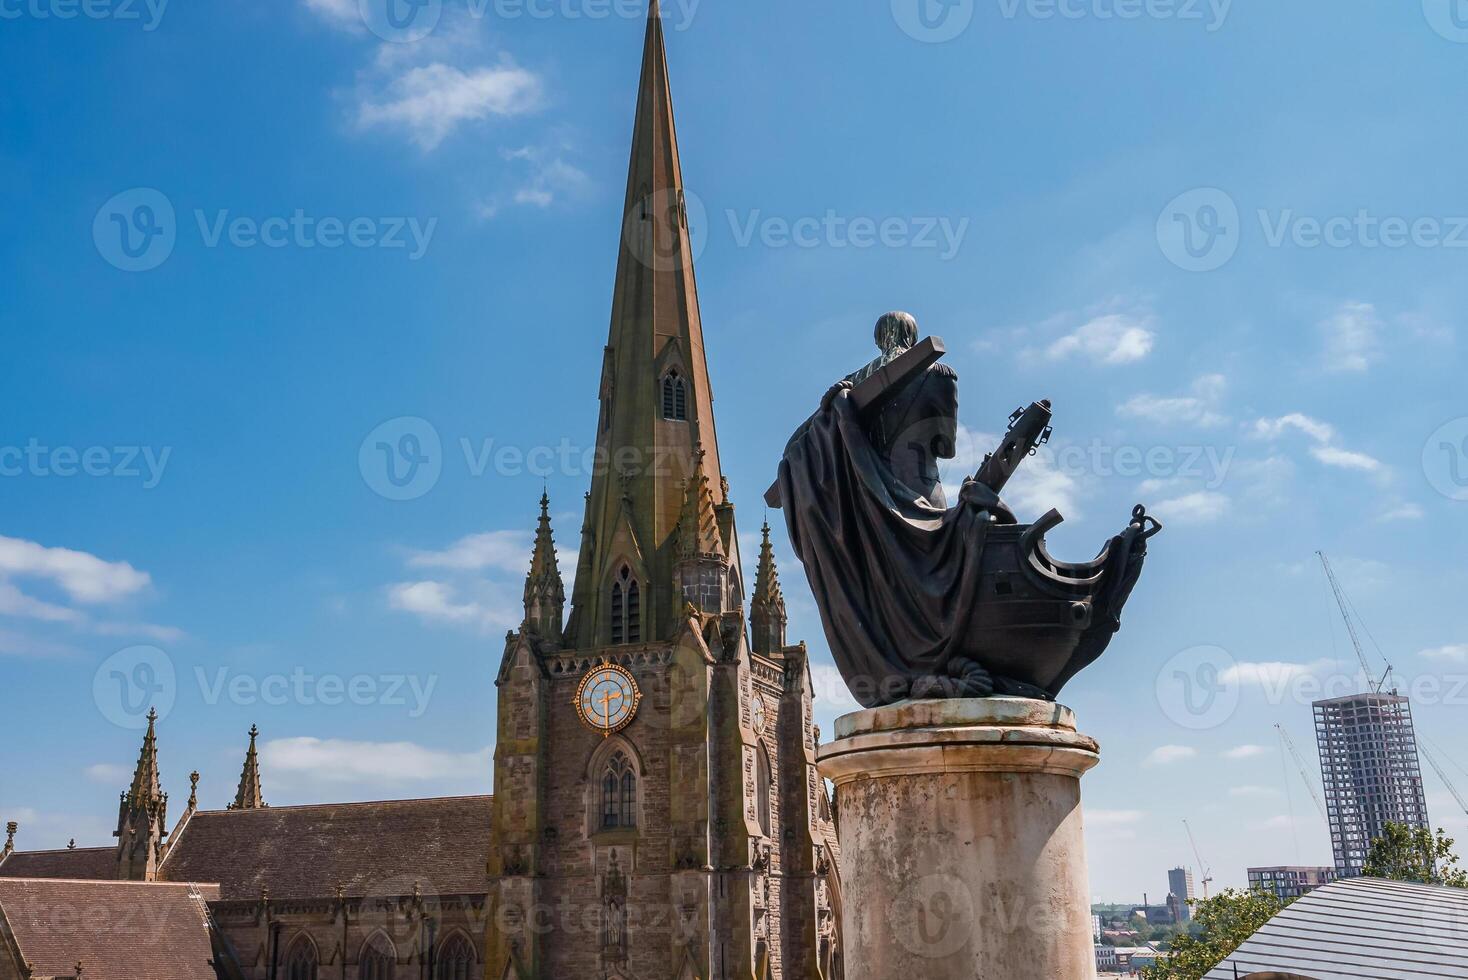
(920, 600)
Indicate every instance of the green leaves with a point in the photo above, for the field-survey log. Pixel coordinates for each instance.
(1221, 924)
(1406, 854)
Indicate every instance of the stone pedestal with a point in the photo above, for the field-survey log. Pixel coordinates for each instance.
(962, 856)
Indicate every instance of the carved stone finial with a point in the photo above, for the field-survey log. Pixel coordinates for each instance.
(194, 790)
(71, 844)
(10, 831)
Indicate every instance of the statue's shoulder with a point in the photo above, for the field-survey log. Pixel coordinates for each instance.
(944, 371)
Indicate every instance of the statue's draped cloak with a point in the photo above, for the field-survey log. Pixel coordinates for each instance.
(894, 573)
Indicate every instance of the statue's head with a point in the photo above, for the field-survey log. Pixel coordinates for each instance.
(896, 331)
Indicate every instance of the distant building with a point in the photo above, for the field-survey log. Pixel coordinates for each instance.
(1096, 928)
(1106, 959)
(1180, 893)
(1368, 762)
(1288, 883)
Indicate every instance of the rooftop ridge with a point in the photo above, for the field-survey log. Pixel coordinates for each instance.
(320, 806)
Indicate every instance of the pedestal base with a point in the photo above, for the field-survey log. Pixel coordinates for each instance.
(962, 854)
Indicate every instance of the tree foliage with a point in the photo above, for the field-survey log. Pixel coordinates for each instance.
(1406, 854)
(1221, 924)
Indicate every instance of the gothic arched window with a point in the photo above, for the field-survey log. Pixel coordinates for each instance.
(618, 794)
(300, 962)
(455, 959)
(626, 608)
(378, 959)
(762, 790)
(675, 397)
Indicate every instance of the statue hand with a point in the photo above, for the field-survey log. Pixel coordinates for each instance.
(835, 390)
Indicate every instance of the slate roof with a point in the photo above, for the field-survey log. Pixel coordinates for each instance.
(117, 930)
(86, 863)
(1361, 929)
(372, 849)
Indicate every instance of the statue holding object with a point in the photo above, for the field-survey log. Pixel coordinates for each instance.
(919, 599)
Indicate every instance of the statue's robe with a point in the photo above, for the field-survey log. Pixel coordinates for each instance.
(896, 573)
(892, 567)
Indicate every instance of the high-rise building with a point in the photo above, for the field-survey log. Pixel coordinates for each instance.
(1368, 762)
(1180, 893)
(1288, 883)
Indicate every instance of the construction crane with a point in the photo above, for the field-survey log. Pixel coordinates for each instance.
(1202, 868)
(1344, 603)
(1289, 744)
(1437, 768)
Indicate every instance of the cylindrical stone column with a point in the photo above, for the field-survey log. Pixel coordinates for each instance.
(962, 854)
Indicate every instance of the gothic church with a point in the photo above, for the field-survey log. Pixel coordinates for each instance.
(657, 813)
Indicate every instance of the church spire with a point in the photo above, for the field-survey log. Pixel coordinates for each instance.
(142, 814)
(656, 402)
(249, 797)
(146, 790)
(545, 593)
(767, 608)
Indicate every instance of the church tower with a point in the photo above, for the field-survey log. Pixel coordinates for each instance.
(142, 815)
(657, 809)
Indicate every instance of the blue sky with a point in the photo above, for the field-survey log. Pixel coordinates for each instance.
(1227, 240)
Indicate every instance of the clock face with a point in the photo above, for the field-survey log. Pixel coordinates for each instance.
(607, 699)
(757, 714)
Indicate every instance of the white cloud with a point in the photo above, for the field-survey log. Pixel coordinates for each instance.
(1199, 408)
(1115, 338)
(505, 550)
(1245, 752)
(1200, 507)
(84, 577)
(1352, 337)
(1345, 459)
(1280, 822)
(1251, 792)
(1113, 818)
(1272, 674)
(338, 13)
(108, 774)
(830, 690)
(308, 761)
(429, 102)
(1314, 428)
(149, 631)
(1402, 512)
(13, 602)
(21, 645)
(1456, 653)
(440, 602)
(1165, 755)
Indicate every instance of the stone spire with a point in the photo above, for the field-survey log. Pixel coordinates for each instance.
(767, 607)
(249, 797)
(545, 593)
(702, 569)
(142, 814)
(656, 402)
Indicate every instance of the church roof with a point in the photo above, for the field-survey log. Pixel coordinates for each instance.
(383, 848)
(92, 863)
(1360, 929)
(114, 929)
